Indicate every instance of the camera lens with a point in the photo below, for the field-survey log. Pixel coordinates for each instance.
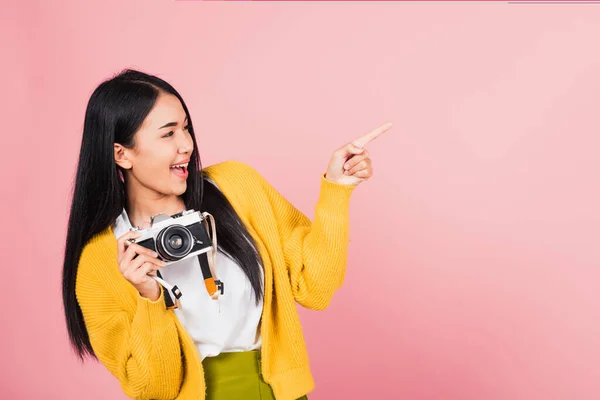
(174, 242)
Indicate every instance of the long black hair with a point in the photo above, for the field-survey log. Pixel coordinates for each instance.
(115, 111)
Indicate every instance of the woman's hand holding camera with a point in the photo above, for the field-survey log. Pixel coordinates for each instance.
(136, 263)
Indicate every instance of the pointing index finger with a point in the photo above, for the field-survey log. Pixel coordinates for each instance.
(375, 133)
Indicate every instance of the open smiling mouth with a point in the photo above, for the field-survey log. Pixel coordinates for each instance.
(180, 169)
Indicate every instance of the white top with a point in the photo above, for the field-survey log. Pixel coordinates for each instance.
(236, 326)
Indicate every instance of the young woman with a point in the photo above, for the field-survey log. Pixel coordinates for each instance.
(139, 158)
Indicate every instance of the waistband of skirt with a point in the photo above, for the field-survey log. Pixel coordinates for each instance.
(239, 362)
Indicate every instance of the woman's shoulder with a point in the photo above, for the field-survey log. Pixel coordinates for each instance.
(236, 171)
(230, 167)
(99, 250)
(98, 276)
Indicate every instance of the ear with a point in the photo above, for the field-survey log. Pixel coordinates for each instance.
(121, 157)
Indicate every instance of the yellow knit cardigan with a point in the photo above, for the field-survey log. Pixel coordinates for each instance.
(148, 350)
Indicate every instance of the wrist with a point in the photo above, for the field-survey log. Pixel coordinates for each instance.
(150, 290)
(331, 179)
(343, 181)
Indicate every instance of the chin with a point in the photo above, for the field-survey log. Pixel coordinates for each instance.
(179, 190)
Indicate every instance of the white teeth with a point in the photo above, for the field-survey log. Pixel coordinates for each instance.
(180, 165)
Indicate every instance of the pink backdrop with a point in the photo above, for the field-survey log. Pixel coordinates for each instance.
(473, 269)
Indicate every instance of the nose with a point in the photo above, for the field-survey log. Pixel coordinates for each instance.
(185, 145)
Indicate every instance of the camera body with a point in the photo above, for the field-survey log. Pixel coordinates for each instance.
(175, 237)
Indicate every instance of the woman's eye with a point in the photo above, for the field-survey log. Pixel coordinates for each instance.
(171, 133)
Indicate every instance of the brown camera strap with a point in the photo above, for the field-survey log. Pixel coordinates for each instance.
(213, 285)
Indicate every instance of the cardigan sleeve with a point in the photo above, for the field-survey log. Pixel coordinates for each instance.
(140, 348)
(315, 251)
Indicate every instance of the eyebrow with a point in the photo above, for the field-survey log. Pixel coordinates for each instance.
(173, 123)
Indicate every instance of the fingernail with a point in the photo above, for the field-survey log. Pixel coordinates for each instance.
(154, 254)
(347, 166)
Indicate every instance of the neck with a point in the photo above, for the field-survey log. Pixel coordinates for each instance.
(144, 203)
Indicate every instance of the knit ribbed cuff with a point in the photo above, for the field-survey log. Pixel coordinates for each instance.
(152, 313)
(334, 198)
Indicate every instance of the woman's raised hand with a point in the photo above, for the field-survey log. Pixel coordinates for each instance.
(136, 263)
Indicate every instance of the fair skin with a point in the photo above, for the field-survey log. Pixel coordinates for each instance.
(154, 185)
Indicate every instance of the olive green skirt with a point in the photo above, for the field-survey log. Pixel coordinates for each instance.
(236, 375)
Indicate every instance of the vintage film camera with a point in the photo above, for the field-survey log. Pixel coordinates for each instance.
(176, 237)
